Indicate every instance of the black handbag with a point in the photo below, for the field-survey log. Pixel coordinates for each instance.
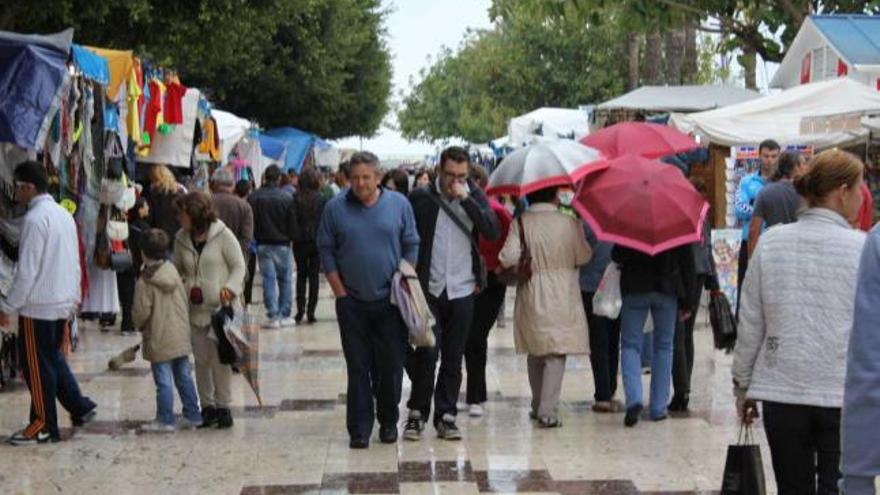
(121, 261)
(227, 353)
(722, 321)
(744, 468)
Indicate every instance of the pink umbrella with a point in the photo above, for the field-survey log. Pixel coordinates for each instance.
(641, 204)
(639, 138)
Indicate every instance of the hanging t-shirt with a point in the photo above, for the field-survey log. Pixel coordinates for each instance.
(133, 118)
(210, 140)
(174, 103)
(154, 108)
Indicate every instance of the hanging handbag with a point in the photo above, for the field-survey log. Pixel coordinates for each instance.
(722, 321)
(121, 261)
(608, 300)
(522, 271)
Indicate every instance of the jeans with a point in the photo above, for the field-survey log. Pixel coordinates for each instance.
(804, 443)
(47, 375)
(374, 342)
(170, 374)
(451, 331)
(604, 350)
(308, 268)
(276, 267)
(664, 309)
(487, 305)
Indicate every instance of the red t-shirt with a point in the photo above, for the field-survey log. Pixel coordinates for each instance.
(153, 109)
(489, 250)
(866, 212)
(174, 103)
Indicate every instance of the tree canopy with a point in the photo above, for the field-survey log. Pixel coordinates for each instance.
(526, 61)
(319, 65)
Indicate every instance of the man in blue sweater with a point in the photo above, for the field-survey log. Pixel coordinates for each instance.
(364, 233)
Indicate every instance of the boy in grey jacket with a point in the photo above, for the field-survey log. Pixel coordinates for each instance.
(161, 313)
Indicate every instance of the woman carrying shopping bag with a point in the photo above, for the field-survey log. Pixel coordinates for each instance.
(796, 317)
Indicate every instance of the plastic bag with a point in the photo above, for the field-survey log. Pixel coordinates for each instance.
(607, 300)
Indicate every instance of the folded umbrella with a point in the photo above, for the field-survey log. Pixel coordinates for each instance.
(552, 163)
(639, 138)
(641, 204)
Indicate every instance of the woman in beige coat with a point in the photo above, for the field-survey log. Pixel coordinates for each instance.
(549, 319)
(208, 257)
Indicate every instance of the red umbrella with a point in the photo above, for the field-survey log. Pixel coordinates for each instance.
(641, 204)
(639, 138)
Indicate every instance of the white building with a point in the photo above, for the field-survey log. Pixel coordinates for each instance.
(832, 46)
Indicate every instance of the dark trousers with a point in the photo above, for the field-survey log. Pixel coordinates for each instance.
(683, 346)
(451, 331)
(374, 342)
(308, 268)
(804, 443)
(487, 305)
(47, 375)
(249, 280)
(126, 281)
(604, 350)
(742, 268)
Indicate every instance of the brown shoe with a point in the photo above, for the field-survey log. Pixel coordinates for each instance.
(608, 407)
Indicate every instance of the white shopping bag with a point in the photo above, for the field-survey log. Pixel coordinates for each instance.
(607, 301)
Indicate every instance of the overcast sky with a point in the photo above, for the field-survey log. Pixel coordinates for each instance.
(418, 29)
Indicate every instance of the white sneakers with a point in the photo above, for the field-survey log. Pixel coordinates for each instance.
(476, 411)
(276, 323)
(287, 322)
(157, 427)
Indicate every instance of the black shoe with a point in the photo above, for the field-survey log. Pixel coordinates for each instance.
(446, 428)
(209, 417)
(632, 415)
(679, 403)
(312, 319)
(298, 317)
(388, 434)
(224, 418)
(358, 443)
(85, 419)
(414, 426)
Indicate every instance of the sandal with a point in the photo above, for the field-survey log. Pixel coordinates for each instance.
(549, 422)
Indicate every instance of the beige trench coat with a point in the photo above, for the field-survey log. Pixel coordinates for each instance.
(549, 315)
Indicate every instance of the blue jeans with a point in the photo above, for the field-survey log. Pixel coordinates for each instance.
(180, 372)
(664, 310)
(276, 265)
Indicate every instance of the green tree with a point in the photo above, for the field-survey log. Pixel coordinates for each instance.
(320, 65)
(524, 62)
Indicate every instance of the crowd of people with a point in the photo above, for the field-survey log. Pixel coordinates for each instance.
(809, 288)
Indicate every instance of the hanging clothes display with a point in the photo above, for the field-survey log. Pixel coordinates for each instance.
(133, 95)
(174, 93)
(210, 139)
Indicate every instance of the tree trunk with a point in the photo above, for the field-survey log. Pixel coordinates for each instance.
(749, 62)
(654, 59)
(634, 47)
(674, 45)
(689, 69)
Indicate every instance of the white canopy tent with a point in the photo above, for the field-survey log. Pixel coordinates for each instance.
(812, 114)
(231, 129)
(552, 123)
(679, 98)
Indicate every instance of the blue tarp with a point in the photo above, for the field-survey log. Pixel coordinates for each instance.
(271, 147)
(298, 142)
(92, 65)
(33, 70)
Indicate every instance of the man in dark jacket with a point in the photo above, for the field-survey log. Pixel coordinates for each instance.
(450, 215)
(274, 230)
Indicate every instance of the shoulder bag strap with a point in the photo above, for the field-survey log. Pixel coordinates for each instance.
(522, 239)
(456, 220)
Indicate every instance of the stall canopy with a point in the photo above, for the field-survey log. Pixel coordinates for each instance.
(549, 122)
(175, 148)
(679, 98)
(297, 143)
(327, 155)
(92, 65)
(33, 74)
(811, 114)
(231, 129)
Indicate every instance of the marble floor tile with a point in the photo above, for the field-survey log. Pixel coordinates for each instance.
(296, 443)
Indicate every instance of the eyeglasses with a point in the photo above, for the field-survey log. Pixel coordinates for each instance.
(455, 177)
(23, 185)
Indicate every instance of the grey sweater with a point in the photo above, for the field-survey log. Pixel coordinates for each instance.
(797, 311)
